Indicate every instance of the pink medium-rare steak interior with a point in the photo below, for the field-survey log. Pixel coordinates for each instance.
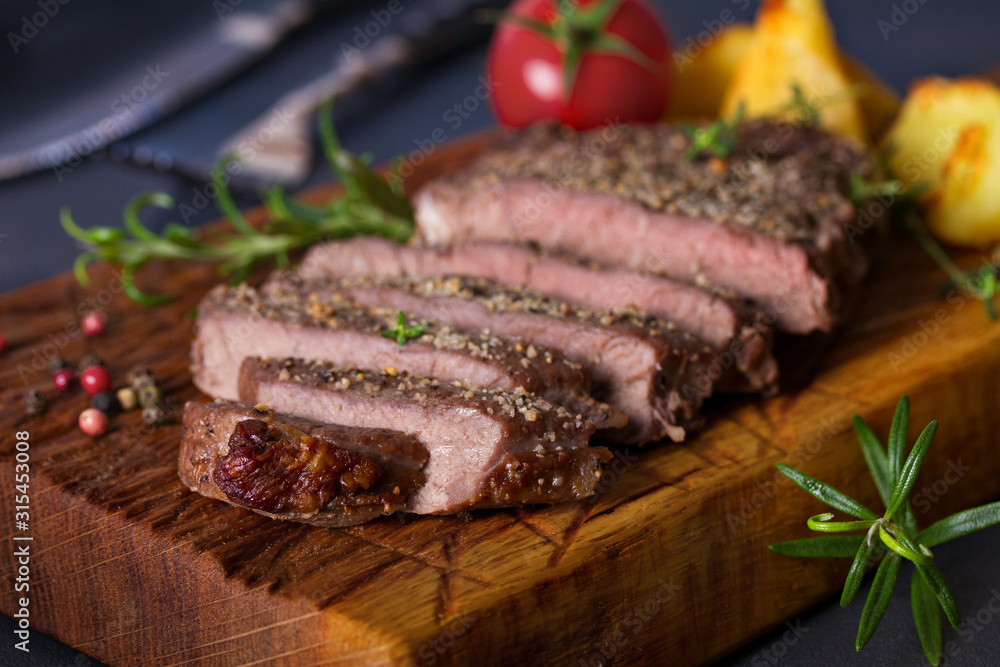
(706, 315)
(234, 323)
(470, 433)
(657, 376)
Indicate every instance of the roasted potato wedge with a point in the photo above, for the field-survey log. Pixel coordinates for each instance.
(794, 45)
(702, 78)
(947, 139)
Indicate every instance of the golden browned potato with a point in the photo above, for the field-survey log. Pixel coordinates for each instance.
(947, 138)
(701, 77)
(793, 45)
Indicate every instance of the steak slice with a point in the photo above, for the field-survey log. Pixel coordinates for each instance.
(234, 323)
(293, 468)
(720, 322)
(770, 222)
(656, 375)
(487, 447)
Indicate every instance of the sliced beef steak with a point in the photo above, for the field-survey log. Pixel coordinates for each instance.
(720, 322)
(293, 468)
(772, 221)
(234, 323)
(487, 447)
(656, 375)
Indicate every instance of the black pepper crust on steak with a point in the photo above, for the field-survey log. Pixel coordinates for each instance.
(773, 221)
(293, 468)
(234, 323)
(654, 373)
(720, 320)
(487, 447)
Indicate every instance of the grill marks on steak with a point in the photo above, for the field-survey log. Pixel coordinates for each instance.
(656, 375)
(487, 447)
(718, 321)
(770, 222)
(234, 323)
(292, 468)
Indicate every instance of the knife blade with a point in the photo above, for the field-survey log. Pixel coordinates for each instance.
(277, 146)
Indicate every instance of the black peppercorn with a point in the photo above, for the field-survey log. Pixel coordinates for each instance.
(57, 364)
(35, 403)
(154, 415)
(106, 402)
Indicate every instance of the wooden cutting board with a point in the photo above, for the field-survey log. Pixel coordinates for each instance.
(669, 565)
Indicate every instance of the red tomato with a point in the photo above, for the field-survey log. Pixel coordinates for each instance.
(528, 64)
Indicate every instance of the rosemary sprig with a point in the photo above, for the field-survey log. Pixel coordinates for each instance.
(717, 138)
(402, 334)
(894, 536)
(369, 205)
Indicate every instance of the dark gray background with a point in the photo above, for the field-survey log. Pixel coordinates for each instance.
(76, 60)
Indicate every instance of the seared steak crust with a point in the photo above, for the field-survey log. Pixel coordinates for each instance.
(234, 323)
(471, 433)
(655, 374)
(275, 468)
(769, 222)
(718, 320)
(293, 468)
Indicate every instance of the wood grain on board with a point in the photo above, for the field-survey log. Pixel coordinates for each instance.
(668, 565)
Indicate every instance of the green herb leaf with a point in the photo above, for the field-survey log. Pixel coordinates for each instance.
(827, 493)
(926, 617)
(717, 138)
(878, 599)
(368, 206)
(822, 523)
(875, 457)
(856, 574)
(836, 546)
(933, 578)
(402, 333)
(862, 189)
(961, 524)
(908, 476)
(920, 555)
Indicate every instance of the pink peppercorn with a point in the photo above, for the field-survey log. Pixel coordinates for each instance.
(63, 380)
(3, 344)
(95, 379)
(92, 324)
(93, 422)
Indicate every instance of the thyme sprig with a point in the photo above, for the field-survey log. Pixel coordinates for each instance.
(401, 333)
(981, 283)
(893, 537)
(369, 205)
(718, 138)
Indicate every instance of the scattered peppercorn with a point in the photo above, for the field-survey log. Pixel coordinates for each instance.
(106, 402)
(57, 364)
(153, 415)
(3, 344)
(93, 422)
(149, 395)
(127, 398)
(35, 403)
(138, 376)
(95, 379)
(63, 380)
(92, 324)
(88, 361)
